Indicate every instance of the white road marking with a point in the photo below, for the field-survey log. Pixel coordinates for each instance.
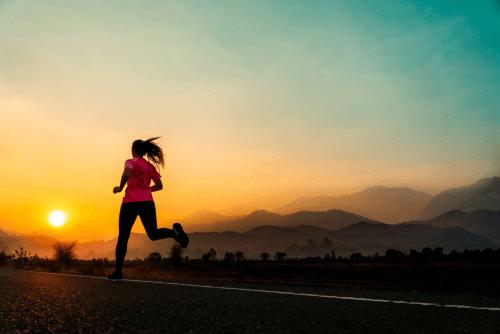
(289, 293)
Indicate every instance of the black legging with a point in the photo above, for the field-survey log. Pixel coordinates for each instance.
(128, 214)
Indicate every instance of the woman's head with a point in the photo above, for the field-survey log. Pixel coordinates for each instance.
(148, 147)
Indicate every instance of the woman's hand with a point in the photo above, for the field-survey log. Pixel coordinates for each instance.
(123, 181)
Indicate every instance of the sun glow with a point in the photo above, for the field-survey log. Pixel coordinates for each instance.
(57, 218)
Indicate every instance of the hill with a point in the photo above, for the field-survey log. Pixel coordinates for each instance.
(304, 240)
(330, 220)
(381, 203)
(310, 234)
(482, 195)
(35, 244)
(204, 221)
(483, 222)
(372, 237)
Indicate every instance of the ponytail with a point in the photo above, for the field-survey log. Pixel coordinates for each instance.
(148, 147)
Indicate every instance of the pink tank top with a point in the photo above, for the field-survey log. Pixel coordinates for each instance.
(139, 181)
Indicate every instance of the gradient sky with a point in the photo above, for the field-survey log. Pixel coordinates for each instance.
(257, 102)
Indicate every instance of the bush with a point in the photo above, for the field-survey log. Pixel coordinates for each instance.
(64, 252)
(264, 256)
(20, 256)
(176, 255)
(394, 255)
(279, 256)
(210, 256)
(4, 257)
(239, 256)
(154, 257)
(356, 257)
(229, 257)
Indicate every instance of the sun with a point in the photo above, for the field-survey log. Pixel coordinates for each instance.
(57, 218)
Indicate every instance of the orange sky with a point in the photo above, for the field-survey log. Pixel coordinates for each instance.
(284, 104)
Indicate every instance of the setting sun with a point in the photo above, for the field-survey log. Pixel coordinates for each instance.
(57, 218)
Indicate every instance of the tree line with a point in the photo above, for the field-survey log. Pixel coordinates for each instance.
(64, 255)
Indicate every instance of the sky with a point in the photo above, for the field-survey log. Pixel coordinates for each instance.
(256, 102)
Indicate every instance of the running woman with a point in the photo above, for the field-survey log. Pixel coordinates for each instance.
(138, 200)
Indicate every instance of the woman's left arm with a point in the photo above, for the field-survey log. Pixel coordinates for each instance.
(157, 186)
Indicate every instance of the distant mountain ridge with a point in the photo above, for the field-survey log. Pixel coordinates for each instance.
(473, 222)
(204, 220)
(484, 194)
(482, 222)
(370, 237)
(387, 204)
(331, 220)
(35, 244)
(366, 237)
(400, 204)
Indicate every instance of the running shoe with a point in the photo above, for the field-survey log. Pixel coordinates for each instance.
(116, 276)
(182, 237)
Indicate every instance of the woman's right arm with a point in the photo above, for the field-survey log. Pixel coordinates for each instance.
(123, 181)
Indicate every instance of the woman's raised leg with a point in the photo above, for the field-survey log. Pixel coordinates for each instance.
(147, 213)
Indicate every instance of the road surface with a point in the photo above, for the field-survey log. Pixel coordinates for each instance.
(44, 302)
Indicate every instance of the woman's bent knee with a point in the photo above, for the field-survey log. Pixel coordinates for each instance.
(152, 236)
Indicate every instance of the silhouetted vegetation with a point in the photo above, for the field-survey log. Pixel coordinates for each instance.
(210, 256)
(229, 257)
(154, 258)
(428, 269)
(239, 256)
(4, 258)
(176, 254)
(64, 253)
(21, 256)
(264, 256)
(279, 256)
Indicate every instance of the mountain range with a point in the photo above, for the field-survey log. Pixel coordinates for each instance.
(465, 218)
(484, 194)
(483, 222)
(451, 231)
(381, 203)
(331, 220)
(399, 204)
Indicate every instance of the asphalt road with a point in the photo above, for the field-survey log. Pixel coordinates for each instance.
(43, 302)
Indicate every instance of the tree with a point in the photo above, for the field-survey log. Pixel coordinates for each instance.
(4, 257)
(427, 253)
(394, 255)
(264, 256)
(175, 254)
(209, 256)
(64, 252)
(154, 257)
(20, 256)
(279, 256)
(356, 256)
(229, 257)
(438, 252)
(239, 256)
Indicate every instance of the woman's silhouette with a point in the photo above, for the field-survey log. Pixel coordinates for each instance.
(138, 199)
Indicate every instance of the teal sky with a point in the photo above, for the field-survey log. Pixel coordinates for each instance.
(265, 97)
